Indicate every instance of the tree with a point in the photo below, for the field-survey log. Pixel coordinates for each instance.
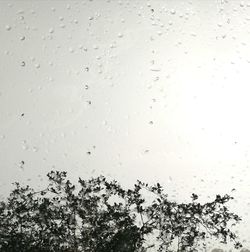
(101, 216)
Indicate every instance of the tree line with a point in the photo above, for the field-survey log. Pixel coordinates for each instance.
(97, 215)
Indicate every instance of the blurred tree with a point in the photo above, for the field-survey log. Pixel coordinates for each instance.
(101, 216)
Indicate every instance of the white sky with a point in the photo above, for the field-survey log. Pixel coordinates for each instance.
(166, 96)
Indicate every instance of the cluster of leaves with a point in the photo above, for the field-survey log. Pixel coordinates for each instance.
(101, 216)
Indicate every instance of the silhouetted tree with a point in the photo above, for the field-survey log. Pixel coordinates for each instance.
(101, 216)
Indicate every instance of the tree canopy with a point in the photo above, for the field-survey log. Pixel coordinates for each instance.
(98, 215)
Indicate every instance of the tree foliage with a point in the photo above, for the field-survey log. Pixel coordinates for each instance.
(101, 216)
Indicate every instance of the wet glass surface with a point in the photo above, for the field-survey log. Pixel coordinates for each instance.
(151, 90)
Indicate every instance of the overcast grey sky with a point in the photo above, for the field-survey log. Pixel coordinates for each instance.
(150, 90)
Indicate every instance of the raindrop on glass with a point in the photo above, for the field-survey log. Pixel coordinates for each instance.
(120, 35)
(7, 27)
(37, 65)
(51, 30)
(172, 11)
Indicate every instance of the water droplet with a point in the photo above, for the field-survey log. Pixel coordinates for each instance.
(2, 137)
(120, 35)
(32, 58)
(173, 12)
(51, 30)
(7, 27)
(155, 69)
(20, 11)
(22, 165)
(22, 38)
(37, 65)
(35, 149)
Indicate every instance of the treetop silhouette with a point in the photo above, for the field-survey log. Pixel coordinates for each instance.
(101, 216)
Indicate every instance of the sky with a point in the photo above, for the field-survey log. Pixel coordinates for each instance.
(151, 90)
